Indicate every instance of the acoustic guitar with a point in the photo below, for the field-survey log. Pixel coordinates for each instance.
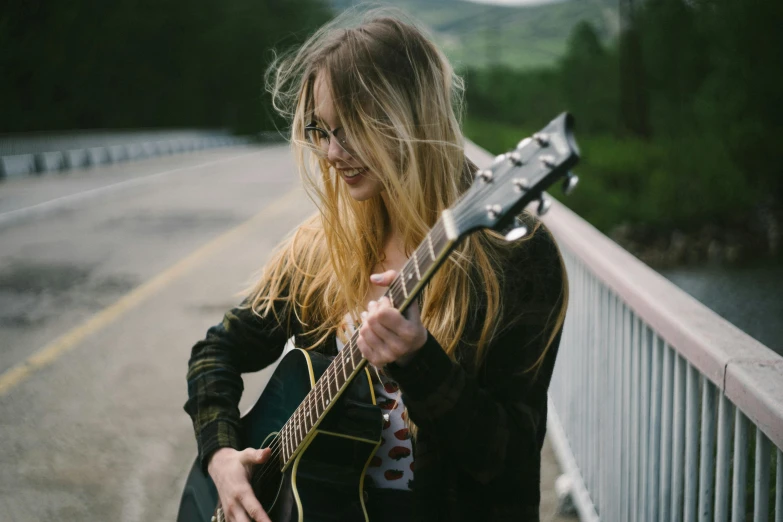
(319, 415)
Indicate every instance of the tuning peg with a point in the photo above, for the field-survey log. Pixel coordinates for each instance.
(547, 160)
(522, 144)
(541, 138)
(570, 182)
(516, 233)
(500, 158)
(543, 205)
(485, 175)
(521, 184)
(516, 158)
(494, 211)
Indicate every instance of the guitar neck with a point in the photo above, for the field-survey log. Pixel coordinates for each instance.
(410, 281)
(422, 264)
(496, 195)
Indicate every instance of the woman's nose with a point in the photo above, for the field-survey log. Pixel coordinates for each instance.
(336, 152)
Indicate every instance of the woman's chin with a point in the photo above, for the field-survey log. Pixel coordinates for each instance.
(364, 188)
(362, 193)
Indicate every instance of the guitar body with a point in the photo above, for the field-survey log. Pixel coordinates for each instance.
(325, 481)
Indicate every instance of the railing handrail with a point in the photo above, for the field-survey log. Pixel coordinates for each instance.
(749, 373)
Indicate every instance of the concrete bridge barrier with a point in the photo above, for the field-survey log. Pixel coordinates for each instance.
(22, 155)
(17, 165)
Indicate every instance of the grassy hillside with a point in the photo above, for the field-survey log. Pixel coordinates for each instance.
(478, 35)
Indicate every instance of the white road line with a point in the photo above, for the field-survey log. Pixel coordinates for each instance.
(52, 205)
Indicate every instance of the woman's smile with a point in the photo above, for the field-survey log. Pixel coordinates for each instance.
(353, 176)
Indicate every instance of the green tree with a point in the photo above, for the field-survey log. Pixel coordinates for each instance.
(634, 103)
(589, 77)
(675, 57)
(144, 63)
(739, 100)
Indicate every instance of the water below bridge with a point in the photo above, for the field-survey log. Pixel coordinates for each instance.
(750, 297)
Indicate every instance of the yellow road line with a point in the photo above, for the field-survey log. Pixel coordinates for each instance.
(49, 353)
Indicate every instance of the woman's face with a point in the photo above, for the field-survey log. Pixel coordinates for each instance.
(362, 183)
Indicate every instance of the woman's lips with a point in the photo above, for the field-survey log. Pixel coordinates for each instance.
(353, 176)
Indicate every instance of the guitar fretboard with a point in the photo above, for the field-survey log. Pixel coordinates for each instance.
(350, 361)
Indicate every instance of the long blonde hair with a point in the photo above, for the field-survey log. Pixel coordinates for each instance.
(397, 96)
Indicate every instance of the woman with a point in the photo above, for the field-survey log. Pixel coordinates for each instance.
(375, 132)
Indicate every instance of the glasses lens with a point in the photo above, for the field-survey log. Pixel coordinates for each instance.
(317, 137)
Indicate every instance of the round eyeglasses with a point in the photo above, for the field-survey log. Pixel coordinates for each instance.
(320, 138)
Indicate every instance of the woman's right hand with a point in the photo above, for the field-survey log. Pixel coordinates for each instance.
(230, 471)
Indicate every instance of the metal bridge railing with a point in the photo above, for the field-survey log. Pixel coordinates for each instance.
(669, 412)
(659, 410)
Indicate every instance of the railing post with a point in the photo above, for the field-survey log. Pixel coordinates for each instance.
(678, 448)
(666, 435)
(636, 404)
(740, 467)
(706, 469)
(761, 479)
(647, 357)
(722, 468)
(655, 431)
(625, 419)
(691, 444)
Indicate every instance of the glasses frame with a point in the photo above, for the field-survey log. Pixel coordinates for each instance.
(327, 134)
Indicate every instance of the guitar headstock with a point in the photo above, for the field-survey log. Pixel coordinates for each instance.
(518, 177)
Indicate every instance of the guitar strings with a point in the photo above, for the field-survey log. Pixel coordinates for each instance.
(332, 371)
(299, 417)
(349, 351)
(277, 443)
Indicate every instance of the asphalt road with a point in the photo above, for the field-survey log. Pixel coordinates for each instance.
(107, 278)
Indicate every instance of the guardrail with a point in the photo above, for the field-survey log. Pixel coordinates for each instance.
(22, 155)
(657, 403)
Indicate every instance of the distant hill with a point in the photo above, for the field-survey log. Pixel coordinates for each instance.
(477, 35)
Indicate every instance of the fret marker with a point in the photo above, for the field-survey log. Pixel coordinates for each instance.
(449, 226)
(432, 250)
(404, 288)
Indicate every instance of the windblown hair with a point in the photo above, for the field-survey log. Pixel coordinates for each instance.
(400, 102)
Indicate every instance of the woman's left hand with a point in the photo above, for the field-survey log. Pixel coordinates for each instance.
(386, 335)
